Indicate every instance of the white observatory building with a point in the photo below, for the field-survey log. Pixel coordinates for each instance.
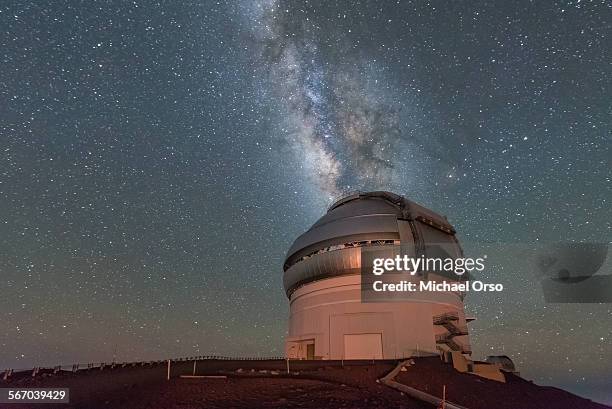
(327, 318)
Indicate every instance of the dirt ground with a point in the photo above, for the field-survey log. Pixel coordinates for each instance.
(266, 384)
(257, 385)
(474, 392)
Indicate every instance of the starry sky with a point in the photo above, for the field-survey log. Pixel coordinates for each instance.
(158, 159)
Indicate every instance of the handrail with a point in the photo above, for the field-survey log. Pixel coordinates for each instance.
(390, 381)
(8, 373)
(447, 316)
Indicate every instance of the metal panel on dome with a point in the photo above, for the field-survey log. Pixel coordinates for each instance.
(343, 230)
(324, 265)
(438, 243)
(331, 264)
(380, 194)
(416, 211)
(357, 208)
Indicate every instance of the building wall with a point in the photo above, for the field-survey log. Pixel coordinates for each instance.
(326, 310)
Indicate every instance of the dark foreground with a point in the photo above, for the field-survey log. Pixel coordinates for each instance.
(266, 384)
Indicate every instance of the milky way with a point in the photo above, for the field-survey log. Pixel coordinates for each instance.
(339, 127)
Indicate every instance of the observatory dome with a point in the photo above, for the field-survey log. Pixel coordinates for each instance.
(331, 247)
(328, 318)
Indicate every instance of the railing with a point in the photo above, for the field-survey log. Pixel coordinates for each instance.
(454, 345)
(457, 331)
(444, 318)
(449, 321)
(9, 373)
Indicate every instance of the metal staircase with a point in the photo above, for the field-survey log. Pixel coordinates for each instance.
(449, 321)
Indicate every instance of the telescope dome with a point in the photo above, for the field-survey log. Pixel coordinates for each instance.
(332, 246)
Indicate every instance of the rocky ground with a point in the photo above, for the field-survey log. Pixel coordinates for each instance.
(266, 384)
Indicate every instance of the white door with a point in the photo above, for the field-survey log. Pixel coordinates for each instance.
(363, 346)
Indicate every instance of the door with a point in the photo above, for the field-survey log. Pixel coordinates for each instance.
(363, 346)
(310, 351)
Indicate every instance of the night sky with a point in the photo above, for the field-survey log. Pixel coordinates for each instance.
(158, 159)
